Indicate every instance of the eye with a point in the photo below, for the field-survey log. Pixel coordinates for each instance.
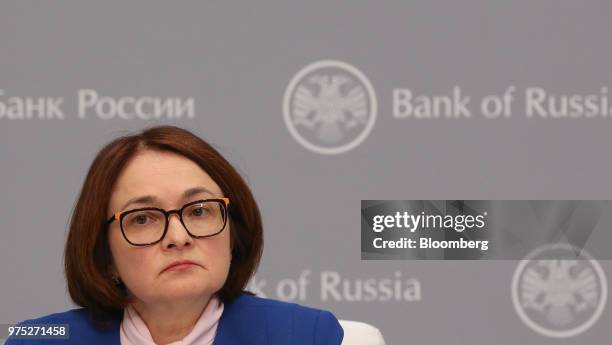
(140, 219)
(199, 211)
(143, 218)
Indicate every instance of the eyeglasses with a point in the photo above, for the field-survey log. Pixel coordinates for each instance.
(148, 225)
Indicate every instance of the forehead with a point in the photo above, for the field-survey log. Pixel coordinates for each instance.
(165, 175)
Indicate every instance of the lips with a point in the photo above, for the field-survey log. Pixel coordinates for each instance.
(179, 264)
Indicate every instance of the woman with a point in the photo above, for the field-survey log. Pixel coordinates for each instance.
(163, 240)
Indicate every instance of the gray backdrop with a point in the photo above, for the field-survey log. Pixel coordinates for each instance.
(234, 61)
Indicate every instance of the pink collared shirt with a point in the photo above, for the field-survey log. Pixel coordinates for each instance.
(134, 331)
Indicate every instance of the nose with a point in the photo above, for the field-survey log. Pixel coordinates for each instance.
(176, 234)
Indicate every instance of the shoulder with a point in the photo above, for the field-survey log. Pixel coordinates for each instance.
(78, 321)
(246, 301)
(78, 318)
(69, 315)
(272, 307)
(301, 322)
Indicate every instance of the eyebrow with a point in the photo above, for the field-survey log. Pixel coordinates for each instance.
(149, 199)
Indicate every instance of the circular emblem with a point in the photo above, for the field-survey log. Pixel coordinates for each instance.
(329, 107)
(558, 292)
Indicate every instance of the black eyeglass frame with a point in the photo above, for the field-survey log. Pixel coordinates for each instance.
(120, 215)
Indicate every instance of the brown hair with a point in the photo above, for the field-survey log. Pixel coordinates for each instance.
(87, 253)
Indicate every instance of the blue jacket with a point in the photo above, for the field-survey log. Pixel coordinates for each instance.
(247, 320)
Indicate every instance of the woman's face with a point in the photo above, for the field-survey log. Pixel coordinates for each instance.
(165, 177)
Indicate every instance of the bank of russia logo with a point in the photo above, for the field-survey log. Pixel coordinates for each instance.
(559, 298)
(329, 107)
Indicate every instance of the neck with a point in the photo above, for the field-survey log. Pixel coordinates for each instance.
(171, 321)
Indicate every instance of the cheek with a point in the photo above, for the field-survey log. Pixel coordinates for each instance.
(215, 253)
(134, 264)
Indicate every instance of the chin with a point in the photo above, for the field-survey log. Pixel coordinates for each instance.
(186, 289)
